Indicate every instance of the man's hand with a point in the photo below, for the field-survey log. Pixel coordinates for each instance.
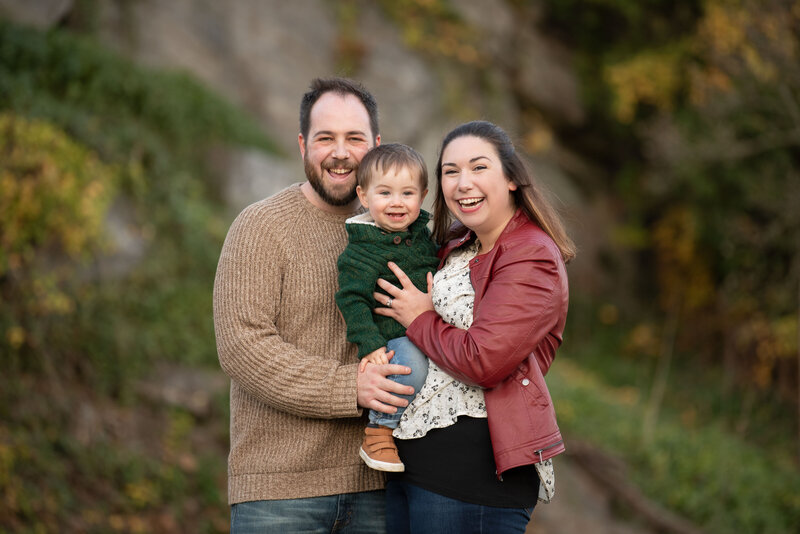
(376, 392)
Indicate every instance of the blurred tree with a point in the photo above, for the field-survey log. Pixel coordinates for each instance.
(694, 109)
(718, 118)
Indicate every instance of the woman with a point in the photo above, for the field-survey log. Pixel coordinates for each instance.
(491, 323)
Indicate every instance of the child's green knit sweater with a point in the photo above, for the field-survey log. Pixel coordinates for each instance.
(364, 260)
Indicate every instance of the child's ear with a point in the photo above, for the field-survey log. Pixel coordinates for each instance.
(422, 196)
(362, 196)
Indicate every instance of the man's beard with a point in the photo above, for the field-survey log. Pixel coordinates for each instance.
(316, 180)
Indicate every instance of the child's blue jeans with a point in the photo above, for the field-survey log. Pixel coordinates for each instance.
(405, 353)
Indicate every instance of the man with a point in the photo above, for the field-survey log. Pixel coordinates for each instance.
(296, 393)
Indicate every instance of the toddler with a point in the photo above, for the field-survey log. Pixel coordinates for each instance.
(392, 182)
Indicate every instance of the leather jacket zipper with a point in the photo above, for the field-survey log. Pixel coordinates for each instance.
(539, 452)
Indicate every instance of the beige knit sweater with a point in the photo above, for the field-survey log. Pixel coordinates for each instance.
(295, 424)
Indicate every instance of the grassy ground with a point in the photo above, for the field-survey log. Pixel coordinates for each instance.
(693, 462)
(75, 461)
(72, 460)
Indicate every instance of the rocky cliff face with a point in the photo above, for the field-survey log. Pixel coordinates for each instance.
(262, 54)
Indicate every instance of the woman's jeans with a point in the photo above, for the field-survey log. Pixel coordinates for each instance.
(405, 353)
(412, 510)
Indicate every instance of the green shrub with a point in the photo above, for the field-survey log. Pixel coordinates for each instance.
(54, 194)
(152, 130)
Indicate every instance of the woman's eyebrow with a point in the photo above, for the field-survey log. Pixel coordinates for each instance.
(473, 160)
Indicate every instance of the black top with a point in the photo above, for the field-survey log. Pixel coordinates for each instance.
(457, 462)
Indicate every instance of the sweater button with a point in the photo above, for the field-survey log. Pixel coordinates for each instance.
(397, 240)
(409, 242)
(525, 381)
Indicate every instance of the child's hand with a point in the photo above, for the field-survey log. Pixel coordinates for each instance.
(377, 356)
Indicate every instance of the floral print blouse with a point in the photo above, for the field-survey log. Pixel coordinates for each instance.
(443, 398)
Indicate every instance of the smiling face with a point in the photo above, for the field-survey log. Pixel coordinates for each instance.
(339, 135)
(475, 189)
(393, 198)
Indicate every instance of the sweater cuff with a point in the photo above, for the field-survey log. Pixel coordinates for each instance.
(344, 398)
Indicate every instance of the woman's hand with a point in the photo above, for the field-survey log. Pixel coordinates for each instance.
(406, 304)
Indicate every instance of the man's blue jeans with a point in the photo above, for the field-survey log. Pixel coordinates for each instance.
(348, 513)
(405, 353)
(411, 509)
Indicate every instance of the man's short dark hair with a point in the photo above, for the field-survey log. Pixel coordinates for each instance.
(343, 87)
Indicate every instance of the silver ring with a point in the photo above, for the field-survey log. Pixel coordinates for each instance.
(389, 303)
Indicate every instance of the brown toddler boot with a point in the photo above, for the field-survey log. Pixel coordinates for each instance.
(379, 451)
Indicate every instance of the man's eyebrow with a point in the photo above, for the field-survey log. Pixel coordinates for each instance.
(329, 132)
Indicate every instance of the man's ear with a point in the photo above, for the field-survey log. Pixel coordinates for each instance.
(302, 143)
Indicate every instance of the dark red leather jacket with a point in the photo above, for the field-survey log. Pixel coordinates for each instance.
(521, 297)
